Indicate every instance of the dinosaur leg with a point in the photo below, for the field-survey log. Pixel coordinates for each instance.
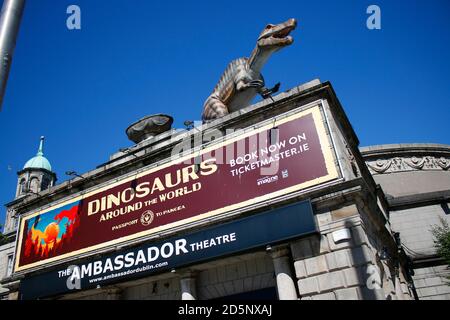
(214, 109)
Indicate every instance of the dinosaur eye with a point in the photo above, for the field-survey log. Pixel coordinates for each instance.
(269, 26)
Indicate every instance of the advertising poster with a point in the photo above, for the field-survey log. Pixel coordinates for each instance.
(264, 166)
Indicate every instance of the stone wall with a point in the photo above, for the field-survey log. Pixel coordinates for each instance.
(415, 224)
(10, 225)
(236, 278)
(416, 181)
(327, 268)
(5, 251)
(432, 283)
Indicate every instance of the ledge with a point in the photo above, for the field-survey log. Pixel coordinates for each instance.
(422, 199)
(389, 150)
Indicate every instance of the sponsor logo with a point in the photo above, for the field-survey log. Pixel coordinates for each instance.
(266, 180)
(147, 217)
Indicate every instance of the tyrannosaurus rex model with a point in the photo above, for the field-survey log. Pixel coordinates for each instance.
(242, 79)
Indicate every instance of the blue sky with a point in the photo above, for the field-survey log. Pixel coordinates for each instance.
(82, 88)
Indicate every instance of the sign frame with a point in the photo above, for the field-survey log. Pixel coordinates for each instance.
(276, 226)
(327, 147)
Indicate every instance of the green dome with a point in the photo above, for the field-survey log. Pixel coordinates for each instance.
(39, 161)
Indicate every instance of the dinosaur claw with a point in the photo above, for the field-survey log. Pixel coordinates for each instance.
(256, 84)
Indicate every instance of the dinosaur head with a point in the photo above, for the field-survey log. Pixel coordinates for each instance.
(275, 37)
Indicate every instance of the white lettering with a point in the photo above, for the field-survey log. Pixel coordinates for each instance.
(165, 254)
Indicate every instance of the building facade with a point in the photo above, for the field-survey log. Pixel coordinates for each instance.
(416, 181)
(364, 214)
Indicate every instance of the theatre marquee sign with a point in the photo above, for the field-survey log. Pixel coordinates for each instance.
(250, 233)
(263, 166)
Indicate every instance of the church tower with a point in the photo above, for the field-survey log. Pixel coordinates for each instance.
(36, 175)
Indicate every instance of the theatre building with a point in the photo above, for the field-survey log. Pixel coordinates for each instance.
(274, 201)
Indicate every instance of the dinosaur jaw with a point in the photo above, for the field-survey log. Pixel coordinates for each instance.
(277, 36)
(275, 42)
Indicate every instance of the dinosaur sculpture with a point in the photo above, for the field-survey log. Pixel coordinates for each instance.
(242, 79)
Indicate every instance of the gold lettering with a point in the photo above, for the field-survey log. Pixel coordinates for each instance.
(183, 175)
(103, 203)
(189, 172)
(196, 186)
(158, 185)
(210, 167)
(113, 199)
(179, 192)
(142, 191)
(91, 211)
(124, 195)
(168, 180)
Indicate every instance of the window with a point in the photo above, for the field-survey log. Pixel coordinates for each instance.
(45, 184)
(34, 185)
(11, 220)
(9, 266)
(22, 186)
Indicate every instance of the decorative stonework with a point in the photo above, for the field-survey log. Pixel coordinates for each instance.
(399, 164)
(11, 221)
(352, 160)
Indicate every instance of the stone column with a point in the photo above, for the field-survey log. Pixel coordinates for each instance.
(285, 282)
(188, 286)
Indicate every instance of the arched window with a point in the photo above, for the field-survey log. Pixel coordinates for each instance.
(22, 186)
(45, 184)
(34, 185)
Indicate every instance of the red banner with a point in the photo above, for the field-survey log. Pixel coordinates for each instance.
(257, 166)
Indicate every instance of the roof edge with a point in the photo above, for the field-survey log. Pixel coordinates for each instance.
(405, 148)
